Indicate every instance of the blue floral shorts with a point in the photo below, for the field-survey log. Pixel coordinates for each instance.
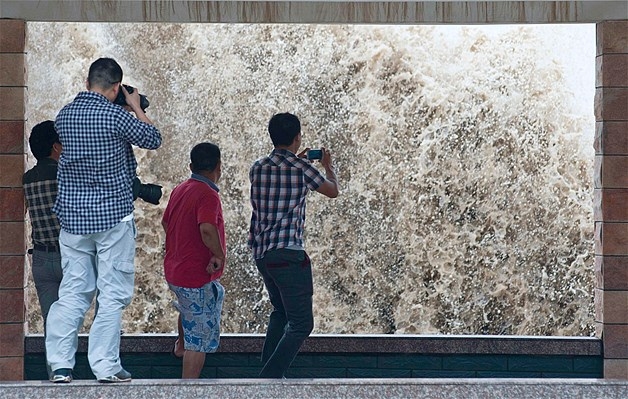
(200, 310)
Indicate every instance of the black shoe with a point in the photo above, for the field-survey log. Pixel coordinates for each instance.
(120, 376)
(61, 376)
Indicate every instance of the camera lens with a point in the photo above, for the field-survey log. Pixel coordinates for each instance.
(150, 193)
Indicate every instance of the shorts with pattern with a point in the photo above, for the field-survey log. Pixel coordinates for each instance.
(200, 310)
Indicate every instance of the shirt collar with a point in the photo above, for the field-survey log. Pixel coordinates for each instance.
(46, 161)
(202, 178)
(283, 151)
(93, 94)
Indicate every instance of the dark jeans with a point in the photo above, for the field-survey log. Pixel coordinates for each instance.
(47, 275)
(288, 278)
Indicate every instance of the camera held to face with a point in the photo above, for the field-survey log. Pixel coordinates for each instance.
(121, 100)
(150, 193)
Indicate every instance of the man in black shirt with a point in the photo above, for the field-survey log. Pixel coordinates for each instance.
(40, 191)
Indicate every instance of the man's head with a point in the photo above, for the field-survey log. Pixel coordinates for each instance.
(205, 159)
(44, 141)
(283, 129)
(105, 75)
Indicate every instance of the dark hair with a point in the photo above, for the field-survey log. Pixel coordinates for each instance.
(104, 72)
(204, 157)
(43, 136)
(283, 128)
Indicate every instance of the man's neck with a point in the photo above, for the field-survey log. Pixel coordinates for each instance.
(108, 93)
(208, 175)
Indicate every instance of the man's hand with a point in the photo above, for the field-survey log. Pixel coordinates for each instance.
(132, 99)
(215, 264)
(326, 160)
(303, 154)
(330, 187)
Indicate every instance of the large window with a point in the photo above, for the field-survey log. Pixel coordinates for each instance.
(464, 154)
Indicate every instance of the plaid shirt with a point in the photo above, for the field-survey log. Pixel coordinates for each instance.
(40, 190)
(97, 164)
(279, 184)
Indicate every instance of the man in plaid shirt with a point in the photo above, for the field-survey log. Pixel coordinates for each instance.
(40, 191)
(279, 185)
(95, 209)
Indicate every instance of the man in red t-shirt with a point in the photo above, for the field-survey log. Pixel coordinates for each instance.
(195, 257)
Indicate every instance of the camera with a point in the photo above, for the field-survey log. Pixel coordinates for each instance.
(314, 154)
(121, 100)
(150, 193)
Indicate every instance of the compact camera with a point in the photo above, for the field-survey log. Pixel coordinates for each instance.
(314, 154)
(121, 100)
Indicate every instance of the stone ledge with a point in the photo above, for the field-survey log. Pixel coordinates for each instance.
(372, 343)
(325, 388)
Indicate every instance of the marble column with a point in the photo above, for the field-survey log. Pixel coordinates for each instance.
(12, 227)
(611, 195)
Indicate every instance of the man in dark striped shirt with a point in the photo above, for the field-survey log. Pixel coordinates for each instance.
(279, 185)
(40, 191)
(95, 209)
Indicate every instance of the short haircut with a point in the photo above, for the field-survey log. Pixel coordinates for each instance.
(104, 73)
(204, 157)
(42, 138)
(283, 128)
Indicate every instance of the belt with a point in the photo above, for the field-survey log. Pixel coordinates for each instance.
(45, 248)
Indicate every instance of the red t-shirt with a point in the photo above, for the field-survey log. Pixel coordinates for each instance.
(191, 203)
